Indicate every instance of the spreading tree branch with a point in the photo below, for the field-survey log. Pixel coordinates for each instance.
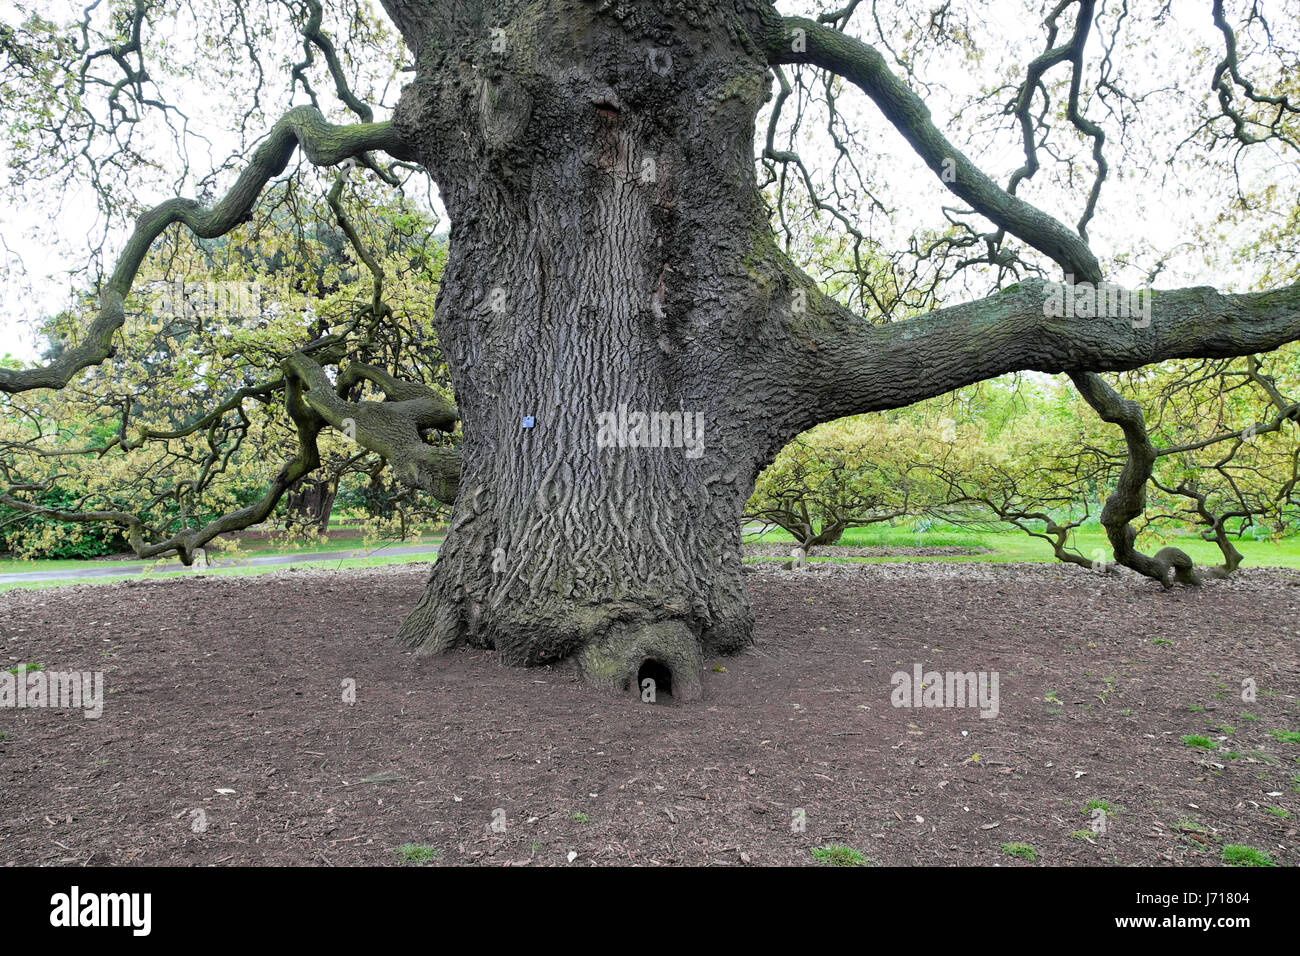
(323, 143)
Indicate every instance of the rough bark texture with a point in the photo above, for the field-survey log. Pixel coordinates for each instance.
(598, 171)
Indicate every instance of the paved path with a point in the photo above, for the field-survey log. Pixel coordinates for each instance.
(129, 568)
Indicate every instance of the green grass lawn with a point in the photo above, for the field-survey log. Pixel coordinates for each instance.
(262, 549)
(1018, 546)
(1007, 546)
(328, 564)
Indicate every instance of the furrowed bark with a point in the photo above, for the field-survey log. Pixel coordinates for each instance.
(599, 177)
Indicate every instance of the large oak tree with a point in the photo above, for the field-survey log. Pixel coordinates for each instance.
(611, 252)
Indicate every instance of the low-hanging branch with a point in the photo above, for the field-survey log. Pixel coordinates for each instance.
(985, 335)
(395, 429)
(186, 542)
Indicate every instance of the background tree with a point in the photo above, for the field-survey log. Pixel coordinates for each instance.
(835, 477)
(194, 401)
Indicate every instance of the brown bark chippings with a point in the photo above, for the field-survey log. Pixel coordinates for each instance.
(800, 720)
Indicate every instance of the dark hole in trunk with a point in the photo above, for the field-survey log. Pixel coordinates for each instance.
(657, 672)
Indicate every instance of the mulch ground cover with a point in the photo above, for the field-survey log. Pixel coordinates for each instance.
(226, 737)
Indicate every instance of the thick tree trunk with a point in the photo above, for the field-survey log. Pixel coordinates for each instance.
(830, 534)
(311, 502)
(603, 210)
